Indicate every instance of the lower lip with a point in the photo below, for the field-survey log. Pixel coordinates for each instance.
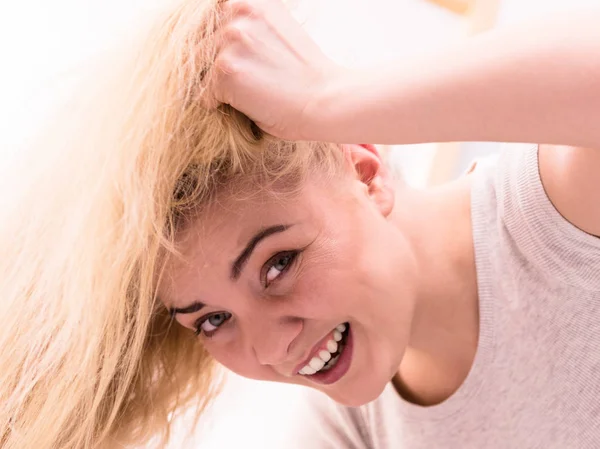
(341, 367)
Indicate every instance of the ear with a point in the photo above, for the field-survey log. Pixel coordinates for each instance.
(372, 172)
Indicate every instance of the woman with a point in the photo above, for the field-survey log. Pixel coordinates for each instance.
(169, 231)
(483, 307)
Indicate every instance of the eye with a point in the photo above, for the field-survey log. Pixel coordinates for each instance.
(209, 325)
(278, 265)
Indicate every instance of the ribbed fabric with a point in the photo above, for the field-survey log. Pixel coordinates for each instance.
(535, 382)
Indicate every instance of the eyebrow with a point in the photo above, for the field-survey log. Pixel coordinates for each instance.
(238, 265)
(192, 308)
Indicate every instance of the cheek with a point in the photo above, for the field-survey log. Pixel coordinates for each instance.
(320, 293)
(231, 355)
(370, 279)
(333, 275)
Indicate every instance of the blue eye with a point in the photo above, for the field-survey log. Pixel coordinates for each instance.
(211, 323)
(278, 265)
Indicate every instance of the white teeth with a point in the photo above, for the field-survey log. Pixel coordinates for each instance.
(337, 335)
(308, 370)
(316, 363)
(332, 346)
(325, 355)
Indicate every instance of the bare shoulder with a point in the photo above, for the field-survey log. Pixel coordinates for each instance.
(571, 178)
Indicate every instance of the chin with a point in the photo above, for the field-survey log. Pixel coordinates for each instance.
(360, 389)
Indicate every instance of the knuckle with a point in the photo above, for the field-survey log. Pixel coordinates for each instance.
(226, 65)
(234, 33)
(243, 8)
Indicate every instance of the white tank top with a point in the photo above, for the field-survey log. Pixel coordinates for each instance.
(535, 381)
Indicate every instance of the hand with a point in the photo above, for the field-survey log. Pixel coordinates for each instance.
(268, 68)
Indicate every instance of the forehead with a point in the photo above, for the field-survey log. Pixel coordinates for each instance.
(232, 219)
(210, 243)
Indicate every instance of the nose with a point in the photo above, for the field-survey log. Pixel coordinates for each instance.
(271, 341)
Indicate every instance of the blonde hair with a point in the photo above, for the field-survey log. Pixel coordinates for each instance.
(88, 356)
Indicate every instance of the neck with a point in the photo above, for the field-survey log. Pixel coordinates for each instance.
(445, 325)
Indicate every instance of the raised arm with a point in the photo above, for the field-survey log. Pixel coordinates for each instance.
(538, 81)
(535, 82)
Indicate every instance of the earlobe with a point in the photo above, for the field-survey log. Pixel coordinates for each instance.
(373, 173)
(382, 192)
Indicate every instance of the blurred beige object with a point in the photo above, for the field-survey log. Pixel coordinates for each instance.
(480, 16)
(456, 6)
(444, 161)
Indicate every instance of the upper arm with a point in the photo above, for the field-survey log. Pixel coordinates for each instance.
(571, 179)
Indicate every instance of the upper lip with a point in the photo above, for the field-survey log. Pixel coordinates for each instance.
(313, 352)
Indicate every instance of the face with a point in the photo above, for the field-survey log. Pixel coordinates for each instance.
(266, 281)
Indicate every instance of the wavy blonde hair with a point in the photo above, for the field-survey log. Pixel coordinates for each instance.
(89, 357)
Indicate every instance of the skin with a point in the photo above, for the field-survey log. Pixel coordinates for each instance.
(367, 258)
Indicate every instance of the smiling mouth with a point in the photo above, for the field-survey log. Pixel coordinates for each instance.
(328, 357)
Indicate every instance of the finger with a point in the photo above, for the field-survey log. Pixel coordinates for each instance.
(208, 78)
(211, 90)
(214, 92)
(218, 79)
(229, 39)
